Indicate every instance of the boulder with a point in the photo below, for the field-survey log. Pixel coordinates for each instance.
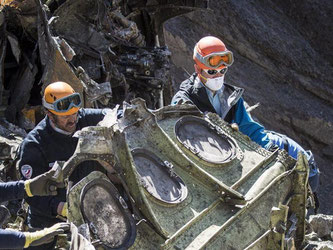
(322, 224)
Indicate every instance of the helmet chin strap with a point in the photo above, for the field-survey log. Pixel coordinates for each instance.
(204, 83)
(203, 77)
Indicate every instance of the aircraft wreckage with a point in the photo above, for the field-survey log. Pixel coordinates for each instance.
(177, 178)
(189, 181)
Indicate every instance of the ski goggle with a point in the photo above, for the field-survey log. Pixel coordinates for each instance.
(64, 104)
(214, 71)
(217, 59)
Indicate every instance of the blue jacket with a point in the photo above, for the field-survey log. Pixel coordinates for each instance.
(10, 239)
(39, 150)
(13, 190)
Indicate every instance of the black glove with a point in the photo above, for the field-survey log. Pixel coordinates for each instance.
(44, 236)
(45, 184)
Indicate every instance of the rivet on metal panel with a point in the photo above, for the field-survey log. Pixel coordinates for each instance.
(93, 228)
(170, 168)
(122, 202)
(194, 150)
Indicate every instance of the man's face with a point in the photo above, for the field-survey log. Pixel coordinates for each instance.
(64, 122)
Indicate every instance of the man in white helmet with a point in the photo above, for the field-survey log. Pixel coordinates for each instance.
(207, 90)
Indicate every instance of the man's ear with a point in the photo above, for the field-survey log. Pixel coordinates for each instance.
(50, 115)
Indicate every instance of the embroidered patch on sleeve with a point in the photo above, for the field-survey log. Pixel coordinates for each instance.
(26, 171)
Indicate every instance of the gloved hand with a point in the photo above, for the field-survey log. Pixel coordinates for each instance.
(45, 184)
(234, 127)
(44, 236)
(63, 209)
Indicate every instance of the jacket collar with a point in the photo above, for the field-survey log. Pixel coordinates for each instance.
(234, 92)
(228, 98)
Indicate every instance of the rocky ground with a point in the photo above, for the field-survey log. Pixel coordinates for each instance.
(283, 58)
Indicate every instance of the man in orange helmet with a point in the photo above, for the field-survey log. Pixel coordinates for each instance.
(51, 140)
(62, 105)
(207, 90)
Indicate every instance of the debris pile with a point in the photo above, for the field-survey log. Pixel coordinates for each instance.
(320, 234)
(109, 51)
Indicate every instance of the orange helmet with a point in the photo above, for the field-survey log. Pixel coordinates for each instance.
(61, 99)
(211, 53)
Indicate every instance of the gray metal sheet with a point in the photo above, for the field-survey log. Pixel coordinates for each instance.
(202, 139)
(158, 177)
(106, 214)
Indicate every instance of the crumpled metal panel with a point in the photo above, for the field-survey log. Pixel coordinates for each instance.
(245, 198)
(55, 65)
(158, 177)
(78, 241)
(106, 213)
(11, 137)
(79, 14)
(202, 139)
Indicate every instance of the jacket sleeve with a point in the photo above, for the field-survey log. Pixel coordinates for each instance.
(13, 190)
(92, 116)
(32, 159)
(10, 239)
(183, 95)
(249, 127)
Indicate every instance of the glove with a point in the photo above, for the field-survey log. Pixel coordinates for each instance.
(234, 127)
(45, 184)
(44, 236)
(63, 209)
